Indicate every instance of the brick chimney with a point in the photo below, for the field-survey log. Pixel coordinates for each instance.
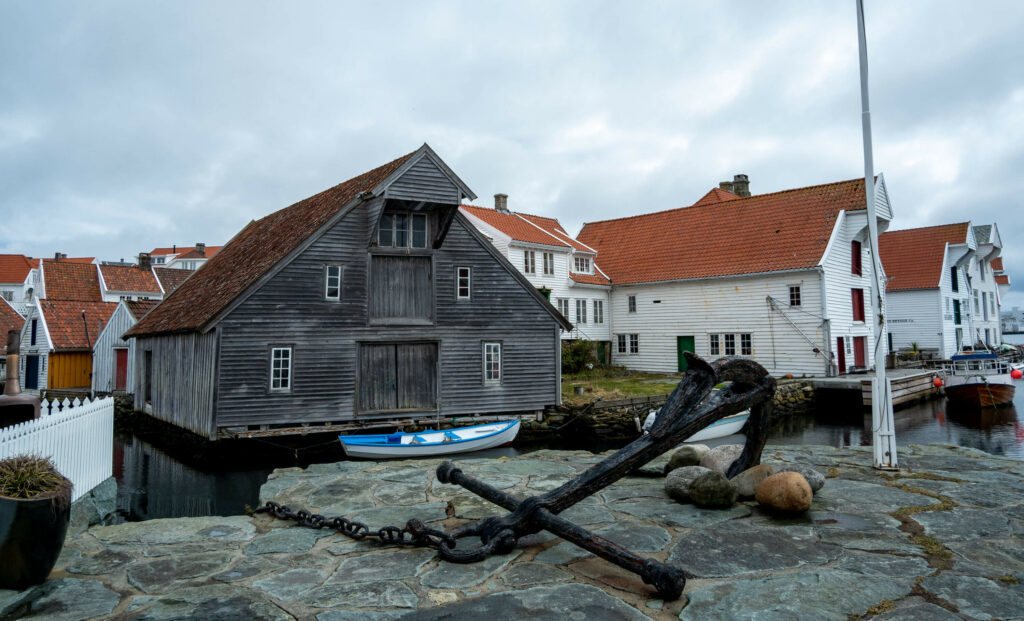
(144, 261)
(201, 248)
(501, 203)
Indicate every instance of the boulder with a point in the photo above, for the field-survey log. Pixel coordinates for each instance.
(712, 490)
(677, 483)
(686, 455)
(747, 481)
(814, 478)
(785, 492)
(721, 457)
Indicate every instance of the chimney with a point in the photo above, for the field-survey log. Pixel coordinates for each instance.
(501, 203)
(144, 261)
(741, 185)
(201, 248)
(726, 185)
(56, 256)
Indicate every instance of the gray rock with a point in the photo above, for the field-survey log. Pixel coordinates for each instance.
(290, 584)
(177, 530)
(99, 506)
(557, 603)
(71, 599)
(677, 483)
(978, 597)
(747, 481)
(721, 457)
(394, 564)
(459, 576)
(295, 540)
(398, 516)
(964, 524)
(156, 575)
(358, 615)
(562, 554)
(636, 536)
(248, 568)
(814, 478)
(733, 550)
(686, 455)
(587, 514)
(712, 490)
(400, 494)
(673, 514)
(918, 611)
(529, 574)
(380, 594)
(105, 562)
(219, 601)
(524, 465)
(857, 497)
(884, 565)
(12, 601)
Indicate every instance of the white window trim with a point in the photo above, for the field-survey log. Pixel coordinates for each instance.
(549, 263)
(799, 295)
(410, 215)
(327, 283)
(634, 344)
(631, 304)
(581, 310)
(282, 388)
(529, 262)
(458, 283)
(486, 370)
(598, 311)
(714, 344)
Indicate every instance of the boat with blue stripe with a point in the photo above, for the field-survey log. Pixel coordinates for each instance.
(430, 443)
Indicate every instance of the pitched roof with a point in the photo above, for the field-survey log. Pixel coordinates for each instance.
(253, 252)
(68, 280)
(590, 279)
(514, 226)
(716, 195)
(913, 258)
(179, 249)
(1002, 279)
(554, 228)
(744, 235)
(171, 278)
(129, 278)
(14, 268)
(65, 325)
(983, 232)
(10, 319)
(997, 264)
(139, 308)
(194, 253)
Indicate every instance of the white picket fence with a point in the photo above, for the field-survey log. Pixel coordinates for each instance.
(77, 435)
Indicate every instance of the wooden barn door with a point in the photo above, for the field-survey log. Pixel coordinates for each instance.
(397, 376)
(120, 369)
(841, 353)
(859, 349)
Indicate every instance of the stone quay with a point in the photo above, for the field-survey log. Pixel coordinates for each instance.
(940, 539)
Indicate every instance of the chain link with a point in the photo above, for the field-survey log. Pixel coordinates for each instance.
(418, 533)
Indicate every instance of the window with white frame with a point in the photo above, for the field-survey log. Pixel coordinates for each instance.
(992, 304)
(7, 294)
(581, 311)
(492, 363)
(582, 265)
(632, 303)
(529, 262)
(280, 369)
(746, 345)
(549, 263)
(332, 282)
(158, 260)
(730, 344)
(977, 306)
(634, 343)
(462, 283)
(598, 311)
(563, 307)
(714, 348)
(621, 338)
(794, 295)
(402, 230)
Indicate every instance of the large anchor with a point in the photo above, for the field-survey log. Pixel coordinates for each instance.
(688, 410)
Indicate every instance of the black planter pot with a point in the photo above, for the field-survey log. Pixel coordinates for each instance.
(31, 537)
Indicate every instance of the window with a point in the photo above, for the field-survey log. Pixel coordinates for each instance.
(563, 307)
(7, 294)
(549, 263)
(158, 259)
(858, 304)
(492, 363)
(634, 343)
(462, 283)
(529, 266)
(977, 309)
(32, 340)
(332, 282)
(992, 304)
(855, 254)
(953, 280)
(622, 343)
(730, 344)
(713, 347)
(956, 314)
(632, 303)
(984, 305)
(581, 311)
(746, 348)
(981, 271)
(395, 228)
(281, 369)
(582, 265)
(598, 311)
(794, 295)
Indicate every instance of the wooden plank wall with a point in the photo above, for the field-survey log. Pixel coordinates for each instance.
(103, 351)
(424, 182)
(69, 370)
(183, 379)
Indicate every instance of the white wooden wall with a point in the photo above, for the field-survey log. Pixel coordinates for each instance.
(41, 349)
(917, 316)
(840, 281)
(104, 354)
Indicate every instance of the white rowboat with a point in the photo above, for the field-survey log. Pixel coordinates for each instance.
(430, 443)
(718, 429)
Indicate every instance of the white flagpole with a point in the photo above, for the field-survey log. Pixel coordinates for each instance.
(882, 427)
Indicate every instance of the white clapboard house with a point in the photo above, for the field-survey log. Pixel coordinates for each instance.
(783, 278)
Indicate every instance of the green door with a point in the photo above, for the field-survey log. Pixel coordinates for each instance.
(683, 343)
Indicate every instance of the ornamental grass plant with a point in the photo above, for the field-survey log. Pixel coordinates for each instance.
(30, 477)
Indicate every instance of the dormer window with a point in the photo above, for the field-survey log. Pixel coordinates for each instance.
(402, 230)
(582, 265)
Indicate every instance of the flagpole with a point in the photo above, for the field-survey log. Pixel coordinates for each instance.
(882, 427)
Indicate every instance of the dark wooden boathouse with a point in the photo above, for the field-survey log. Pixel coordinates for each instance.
(371, 300)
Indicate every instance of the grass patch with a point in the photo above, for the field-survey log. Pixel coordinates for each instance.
(833, 472)
(612, 383)
(1008, 579)
(938, 555)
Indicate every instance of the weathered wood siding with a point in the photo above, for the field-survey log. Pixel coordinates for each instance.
(184, 367)
(424, 181)
(400, 288)
(69, 370)
(104, 355)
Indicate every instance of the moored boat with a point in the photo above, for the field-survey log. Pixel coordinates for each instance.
(718, 429)
(430, 443)
(978, 379)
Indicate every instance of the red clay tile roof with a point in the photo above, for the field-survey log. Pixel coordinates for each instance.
(139, 308)
(14, 268)
(68, 280)
(10, 319)
(65, 325)
(912, 258)
(997, 264)
(184, 248)
(1002, 279)
(716, 195)
(195, 254)
(171, 278)
(554, 227)
(129, 278)
(514, 226)
(764, 233)
(594, 279)
(252, 253)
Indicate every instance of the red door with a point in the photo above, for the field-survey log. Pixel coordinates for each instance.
(859, 343)
(120, 369)
(841, 350)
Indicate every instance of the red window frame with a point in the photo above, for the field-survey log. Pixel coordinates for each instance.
(858, 304)
(855, 258)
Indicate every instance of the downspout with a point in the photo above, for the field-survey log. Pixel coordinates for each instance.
(826, 325)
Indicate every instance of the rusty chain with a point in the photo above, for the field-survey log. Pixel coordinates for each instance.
(419, 534)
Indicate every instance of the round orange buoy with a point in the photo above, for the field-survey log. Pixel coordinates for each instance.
(1016, 374)
(937, 382)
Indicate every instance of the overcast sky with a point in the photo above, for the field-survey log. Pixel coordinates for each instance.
(126, 125)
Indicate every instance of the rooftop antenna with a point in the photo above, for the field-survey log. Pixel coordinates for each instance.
(883, 437)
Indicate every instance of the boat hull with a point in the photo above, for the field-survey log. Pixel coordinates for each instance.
(721, 428)
(980, 394)
(376, 447)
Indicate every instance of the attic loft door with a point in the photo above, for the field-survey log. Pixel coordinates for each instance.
(395, 377)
